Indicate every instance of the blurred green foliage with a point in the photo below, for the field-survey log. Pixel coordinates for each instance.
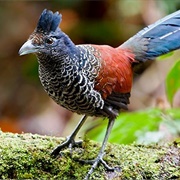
(163, 57)
(128, 125)
(30, 69)
(173, 81)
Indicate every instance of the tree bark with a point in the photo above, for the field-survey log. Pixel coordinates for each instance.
(27, 156)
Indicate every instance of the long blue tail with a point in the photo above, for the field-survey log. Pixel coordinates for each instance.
(159, 38)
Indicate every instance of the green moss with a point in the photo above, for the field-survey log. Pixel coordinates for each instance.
(27, 156)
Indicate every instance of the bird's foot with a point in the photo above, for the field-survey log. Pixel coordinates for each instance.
(95, 163)
(68, 143)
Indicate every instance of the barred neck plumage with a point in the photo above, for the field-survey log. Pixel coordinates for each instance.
(69, 80)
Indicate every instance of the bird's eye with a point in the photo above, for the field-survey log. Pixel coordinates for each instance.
(49, 41)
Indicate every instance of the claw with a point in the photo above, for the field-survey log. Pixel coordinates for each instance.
(99, 158)
(68, 143)
(94, 163)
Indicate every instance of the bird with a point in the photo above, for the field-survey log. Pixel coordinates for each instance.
(94, 80)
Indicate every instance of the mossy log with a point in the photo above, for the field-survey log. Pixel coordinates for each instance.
(27, 156)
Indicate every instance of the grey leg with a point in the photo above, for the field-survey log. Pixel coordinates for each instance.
(99, 158)
(70, 142)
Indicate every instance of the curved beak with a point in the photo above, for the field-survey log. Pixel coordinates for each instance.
(27, 48)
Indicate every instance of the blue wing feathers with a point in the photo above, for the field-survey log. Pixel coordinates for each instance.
(156, 39)
(172, 19)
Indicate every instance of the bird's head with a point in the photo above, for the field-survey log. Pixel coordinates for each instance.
(46, 36)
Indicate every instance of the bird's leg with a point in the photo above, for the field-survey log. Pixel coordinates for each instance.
(70, 142)
(99, 158)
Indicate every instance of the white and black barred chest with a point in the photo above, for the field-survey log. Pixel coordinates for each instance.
(70, 83)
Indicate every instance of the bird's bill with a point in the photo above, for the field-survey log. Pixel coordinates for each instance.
(27, 48)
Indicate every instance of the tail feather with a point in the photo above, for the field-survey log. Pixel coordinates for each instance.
(159, 38)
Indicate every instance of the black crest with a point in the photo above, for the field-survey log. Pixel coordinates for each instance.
(48, 21)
